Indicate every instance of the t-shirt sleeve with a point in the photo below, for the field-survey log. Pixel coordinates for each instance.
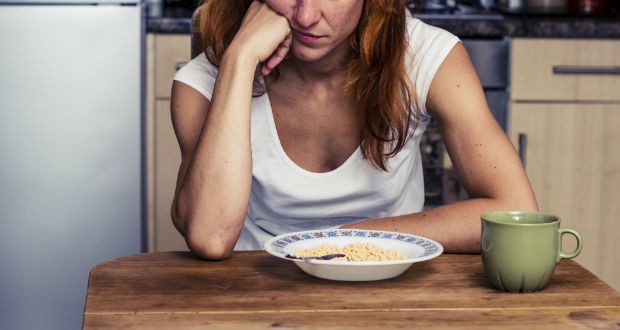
(429, 46)
(199, 74)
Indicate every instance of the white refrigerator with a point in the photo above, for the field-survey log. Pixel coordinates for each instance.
(71, 152)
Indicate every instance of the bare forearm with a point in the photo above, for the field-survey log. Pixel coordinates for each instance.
(456, 226)
(213, 195)
(216, 172)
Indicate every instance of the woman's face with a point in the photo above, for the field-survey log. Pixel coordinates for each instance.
(319, 26)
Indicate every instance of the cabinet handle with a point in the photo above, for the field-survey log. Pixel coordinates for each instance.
(179, 65)
(522, 147)
(567, 69)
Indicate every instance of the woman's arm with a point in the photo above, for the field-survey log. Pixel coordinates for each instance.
(213, 185)
(485, 160)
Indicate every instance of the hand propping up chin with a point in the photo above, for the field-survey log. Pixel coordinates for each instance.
(264, 34)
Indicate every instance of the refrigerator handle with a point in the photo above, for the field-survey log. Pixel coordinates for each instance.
(522, 147)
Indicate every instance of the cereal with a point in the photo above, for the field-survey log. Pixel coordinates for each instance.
(353, 252)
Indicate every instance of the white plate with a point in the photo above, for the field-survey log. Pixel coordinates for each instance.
(414, 248)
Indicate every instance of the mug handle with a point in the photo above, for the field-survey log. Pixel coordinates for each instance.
(574, 253)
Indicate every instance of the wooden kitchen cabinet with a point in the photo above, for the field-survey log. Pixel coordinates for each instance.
(570, 120)
(166, 53)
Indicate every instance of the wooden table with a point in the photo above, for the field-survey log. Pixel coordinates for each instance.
(254, 290)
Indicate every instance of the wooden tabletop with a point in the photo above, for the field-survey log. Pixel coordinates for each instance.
(254, 290)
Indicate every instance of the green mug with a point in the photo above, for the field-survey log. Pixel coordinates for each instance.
(521, 248)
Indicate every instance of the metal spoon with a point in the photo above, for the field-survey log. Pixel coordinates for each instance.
(325, 257)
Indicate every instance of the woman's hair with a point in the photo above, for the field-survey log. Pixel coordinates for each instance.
(377, 75)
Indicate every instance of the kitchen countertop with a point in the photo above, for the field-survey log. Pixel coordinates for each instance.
(481, 25)
(172, 21)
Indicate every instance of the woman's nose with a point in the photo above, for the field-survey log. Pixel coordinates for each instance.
(307, 13)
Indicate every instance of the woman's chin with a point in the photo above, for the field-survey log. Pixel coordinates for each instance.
(304, 53)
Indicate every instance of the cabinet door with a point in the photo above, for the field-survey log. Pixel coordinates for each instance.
(565, 70)
(167, 162)
(573, 161)
(165, 55)
(171, 52)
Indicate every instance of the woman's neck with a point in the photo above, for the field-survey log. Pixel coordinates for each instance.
(329, 68)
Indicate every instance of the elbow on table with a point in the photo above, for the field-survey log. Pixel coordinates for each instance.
(209, 242)
(210, 249)
(203, 242)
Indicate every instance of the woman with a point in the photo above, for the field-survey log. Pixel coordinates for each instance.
(307, 114)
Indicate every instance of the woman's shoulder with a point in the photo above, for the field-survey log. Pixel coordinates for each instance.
(423, 36)
(428, 48)
(199, 74)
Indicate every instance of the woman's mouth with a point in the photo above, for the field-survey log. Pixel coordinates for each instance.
(305, 37)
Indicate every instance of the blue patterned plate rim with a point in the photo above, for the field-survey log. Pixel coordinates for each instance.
(430, 248)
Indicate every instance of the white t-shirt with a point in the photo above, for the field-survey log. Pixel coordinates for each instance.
(287, 198)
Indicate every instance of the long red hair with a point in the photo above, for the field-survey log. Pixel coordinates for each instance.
(377, 75)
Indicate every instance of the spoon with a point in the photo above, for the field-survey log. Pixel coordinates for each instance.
(325, 257)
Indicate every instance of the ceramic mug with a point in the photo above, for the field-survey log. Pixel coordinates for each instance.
(521, 248)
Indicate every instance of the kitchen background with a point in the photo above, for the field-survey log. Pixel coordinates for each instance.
(89, 158)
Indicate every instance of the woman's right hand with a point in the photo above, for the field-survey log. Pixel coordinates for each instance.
(265, 34)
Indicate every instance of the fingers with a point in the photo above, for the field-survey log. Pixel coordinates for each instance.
(266, 33)
(277, 57)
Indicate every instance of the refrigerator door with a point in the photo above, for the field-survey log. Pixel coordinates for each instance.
(70, 150)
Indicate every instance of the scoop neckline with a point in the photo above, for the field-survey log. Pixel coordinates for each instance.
(276, 140)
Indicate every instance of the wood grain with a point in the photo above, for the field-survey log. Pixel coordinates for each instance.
(551, 319)
(256, 290)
